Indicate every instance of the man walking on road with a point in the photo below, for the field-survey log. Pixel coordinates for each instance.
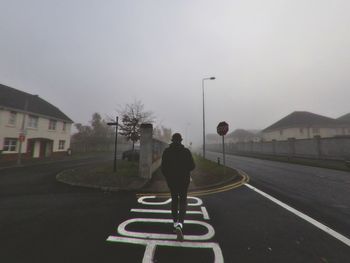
(177, 163)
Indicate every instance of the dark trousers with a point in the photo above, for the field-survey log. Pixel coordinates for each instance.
(179, 201)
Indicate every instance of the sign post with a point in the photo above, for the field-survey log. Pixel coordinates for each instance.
(115, 142)
(222, 130)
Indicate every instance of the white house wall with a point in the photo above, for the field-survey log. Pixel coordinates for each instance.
(9, 131)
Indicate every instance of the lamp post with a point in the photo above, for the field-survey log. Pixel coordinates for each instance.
(211, 78)
(186, 133)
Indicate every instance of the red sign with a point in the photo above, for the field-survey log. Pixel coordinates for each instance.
(22, 137)
(222, 128)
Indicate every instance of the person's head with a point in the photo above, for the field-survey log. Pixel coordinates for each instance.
(176, 138)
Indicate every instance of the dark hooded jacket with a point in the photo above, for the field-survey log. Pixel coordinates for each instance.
(177, 163)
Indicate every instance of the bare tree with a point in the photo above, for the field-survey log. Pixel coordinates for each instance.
(97, 135)
(162, 133)
(132, 116)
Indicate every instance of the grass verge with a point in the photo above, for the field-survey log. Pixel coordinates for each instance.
(208, 173)
(102, 175)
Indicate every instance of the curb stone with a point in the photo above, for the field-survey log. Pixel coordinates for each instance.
(103, 188)
(59, 178)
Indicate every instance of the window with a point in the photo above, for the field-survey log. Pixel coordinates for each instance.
(301, 130)
(12, 119)
(10, 144)
(64, 126)
(281, 132)
(52, 124)
(33, 121)
(61, 144)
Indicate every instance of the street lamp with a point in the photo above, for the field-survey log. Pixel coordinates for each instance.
(211, 78)
(186, 133)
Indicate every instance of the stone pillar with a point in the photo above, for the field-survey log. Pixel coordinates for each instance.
(145, 163)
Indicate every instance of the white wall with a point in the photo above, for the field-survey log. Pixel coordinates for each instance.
(42, 131)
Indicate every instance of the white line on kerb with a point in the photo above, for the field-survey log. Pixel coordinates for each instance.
(312, 221)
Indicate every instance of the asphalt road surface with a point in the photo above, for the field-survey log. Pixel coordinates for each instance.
(321, 193)
(42, 220)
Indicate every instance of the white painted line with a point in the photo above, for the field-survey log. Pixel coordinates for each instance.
(203, 212)
(122, 229)
(142, 200)
(152, 244)
(312, 221)
(149, 253)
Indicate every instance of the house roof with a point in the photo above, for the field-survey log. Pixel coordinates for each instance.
(344, 118)
(16, 99)
(303, 119)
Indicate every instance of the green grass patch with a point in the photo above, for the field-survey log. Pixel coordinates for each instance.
(210, 173)
(102, 175)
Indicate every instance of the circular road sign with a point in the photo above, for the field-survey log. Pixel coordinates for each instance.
(222, 128)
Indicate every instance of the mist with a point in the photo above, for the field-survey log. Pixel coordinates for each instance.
(270, 58)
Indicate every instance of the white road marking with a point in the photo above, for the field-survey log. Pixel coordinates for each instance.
(152, 244)
(312, 221)
(152, 240)
(142, 200)
(122, 229)
(203, 212)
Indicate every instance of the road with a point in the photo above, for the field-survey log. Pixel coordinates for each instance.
(319, 192)
(46, 221)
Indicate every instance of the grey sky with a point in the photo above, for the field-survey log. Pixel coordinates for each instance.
(269, 57)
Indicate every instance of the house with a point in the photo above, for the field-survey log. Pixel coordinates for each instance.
(305, 125)
(32, 126)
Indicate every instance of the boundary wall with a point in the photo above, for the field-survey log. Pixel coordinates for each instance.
(334, 148)
(151, 151)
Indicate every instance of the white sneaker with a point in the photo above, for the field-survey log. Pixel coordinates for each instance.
(178, 230)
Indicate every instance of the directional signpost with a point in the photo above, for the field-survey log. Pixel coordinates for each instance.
(115, 142)
(222, 130)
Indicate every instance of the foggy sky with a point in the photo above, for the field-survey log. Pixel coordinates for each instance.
(269, 57)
